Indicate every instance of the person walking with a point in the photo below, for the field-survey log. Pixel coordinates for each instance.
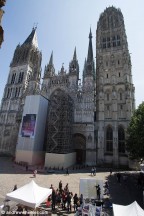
(53, 199)
(67, 171)
(75, 199)
(15, 187)
(98, 192)
(60, 186)
(34, 173)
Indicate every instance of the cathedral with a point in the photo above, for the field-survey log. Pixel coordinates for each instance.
(89, 115)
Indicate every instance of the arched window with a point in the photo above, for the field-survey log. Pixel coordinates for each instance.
(107, 96)
(121, 140)
(13, 78)
(120, 95)
(20, 79)
(109, 139)
(118, 40)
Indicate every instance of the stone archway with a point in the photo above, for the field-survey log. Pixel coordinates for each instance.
(79, 141)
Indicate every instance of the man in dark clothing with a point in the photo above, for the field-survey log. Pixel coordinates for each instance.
(53, 199)
(60, 186)
(15, 187)
(75, 198)
(118, 177)
(98, 192)
(67, 171)
(69, 201)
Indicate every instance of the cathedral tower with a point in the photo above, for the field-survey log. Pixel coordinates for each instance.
(114, 87)
(23, 79)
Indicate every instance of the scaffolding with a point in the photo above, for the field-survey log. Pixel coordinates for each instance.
(59, 123)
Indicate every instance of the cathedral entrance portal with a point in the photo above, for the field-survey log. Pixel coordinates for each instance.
(80, 148)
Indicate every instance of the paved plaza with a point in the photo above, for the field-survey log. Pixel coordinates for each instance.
(120, 193)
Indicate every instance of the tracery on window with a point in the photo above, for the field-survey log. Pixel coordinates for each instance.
(121, 140)
(109, 139)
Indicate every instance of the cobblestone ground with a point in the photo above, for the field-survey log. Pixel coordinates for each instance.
(120, 193)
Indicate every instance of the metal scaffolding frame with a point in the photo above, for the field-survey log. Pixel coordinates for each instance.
(59, 123)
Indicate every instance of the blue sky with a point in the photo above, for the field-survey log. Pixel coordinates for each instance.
(64, 24)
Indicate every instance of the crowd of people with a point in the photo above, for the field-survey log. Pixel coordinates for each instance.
(64, 199)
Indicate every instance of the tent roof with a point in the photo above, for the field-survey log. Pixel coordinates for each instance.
(30, 195)
(133, 210)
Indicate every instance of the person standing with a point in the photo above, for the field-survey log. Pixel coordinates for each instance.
(15, 187)
(98, 192)
(94, 171)
(60, 186)
(67, 171)
(75, 199)
(53, 199)
(34, 173)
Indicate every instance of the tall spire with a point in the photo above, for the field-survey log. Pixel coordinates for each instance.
(90, 50)
(32, 38)
(49, 70)
(89, 69)
(75, 55)
(51, 59)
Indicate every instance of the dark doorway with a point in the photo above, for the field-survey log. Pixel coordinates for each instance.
(80, 148)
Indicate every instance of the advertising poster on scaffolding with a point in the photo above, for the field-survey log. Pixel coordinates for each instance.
(28, 125)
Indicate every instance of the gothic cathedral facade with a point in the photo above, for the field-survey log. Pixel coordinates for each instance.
(88, 116)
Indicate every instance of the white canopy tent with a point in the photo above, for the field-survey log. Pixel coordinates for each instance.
(30, 195)
(133, 210)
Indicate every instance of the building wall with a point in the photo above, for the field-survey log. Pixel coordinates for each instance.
(103, 101)
(114, 87)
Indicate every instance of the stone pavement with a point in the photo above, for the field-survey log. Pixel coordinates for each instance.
(120, 193)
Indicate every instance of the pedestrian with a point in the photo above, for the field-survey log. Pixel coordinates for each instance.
(60, 186)
(75, 199)
(26, 167)
(94, 171)
(81, 199)
(118, 177)
(69, 196)
(66, 188)
(34, 173)
(110, 171)
(98, 192)
(51, 187)
(15, 187)
(53, 199)
(67, 171)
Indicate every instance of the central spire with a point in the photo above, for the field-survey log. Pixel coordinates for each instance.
(90, 50)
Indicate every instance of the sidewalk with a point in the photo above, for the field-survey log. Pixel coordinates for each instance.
(122, 193)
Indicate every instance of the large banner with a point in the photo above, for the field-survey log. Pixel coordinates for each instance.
(28, 125)
(88, 188)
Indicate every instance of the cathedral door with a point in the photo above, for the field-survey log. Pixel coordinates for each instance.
(80, 148)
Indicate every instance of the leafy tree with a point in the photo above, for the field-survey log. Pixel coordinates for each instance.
(135, 139)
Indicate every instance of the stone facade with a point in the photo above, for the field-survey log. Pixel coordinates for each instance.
(88, 116)
(115, 90)
(23, 79)
(2, 3)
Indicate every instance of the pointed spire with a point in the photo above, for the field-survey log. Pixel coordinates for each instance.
(89, 69)
(75, 55)
(90, 34)
(49, 70)
(32, 39)
(51, 59)
(90, 50)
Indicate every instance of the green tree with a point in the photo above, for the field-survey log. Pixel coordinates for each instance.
(135, 131)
